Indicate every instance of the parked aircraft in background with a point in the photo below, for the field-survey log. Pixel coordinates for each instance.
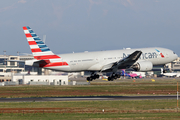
(142, 74)
(173, 74)
(141, 59)
(132, 75)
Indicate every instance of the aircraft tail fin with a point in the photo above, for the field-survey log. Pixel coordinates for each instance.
(39, 50)
(125, 74)
(122, 72)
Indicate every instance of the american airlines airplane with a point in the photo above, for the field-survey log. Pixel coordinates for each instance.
(141, 59)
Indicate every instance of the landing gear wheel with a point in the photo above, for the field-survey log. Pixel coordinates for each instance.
(164, 71)
(110, 79)
(96, 76)
(89, 79)
(93, 77)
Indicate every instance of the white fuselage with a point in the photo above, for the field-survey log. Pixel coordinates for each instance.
(94, 61)
(170, 74)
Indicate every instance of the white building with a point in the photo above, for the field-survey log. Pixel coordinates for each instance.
(27, 79)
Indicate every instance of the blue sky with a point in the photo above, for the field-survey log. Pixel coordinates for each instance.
(90, 25)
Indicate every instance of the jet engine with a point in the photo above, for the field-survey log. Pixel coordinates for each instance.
(143, 66)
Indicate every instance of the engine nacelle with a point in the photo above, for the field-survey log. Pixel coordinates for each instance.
(143, 66)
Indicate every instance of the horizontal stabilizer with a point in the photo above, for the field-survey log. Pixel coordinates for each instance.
(15, 60)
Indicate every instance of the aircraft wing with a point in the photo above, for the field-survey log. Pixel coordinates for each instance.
(123, 63)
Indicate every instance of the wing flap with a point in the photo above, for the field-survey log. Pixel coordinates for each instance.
(108, 66)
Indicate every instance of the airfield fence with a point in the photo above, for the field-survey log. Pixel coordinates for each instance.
(10, 83)
(78, 83)
(38, 83)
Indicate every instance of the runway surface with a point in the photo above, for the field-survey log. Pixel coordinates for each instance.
(86, 98)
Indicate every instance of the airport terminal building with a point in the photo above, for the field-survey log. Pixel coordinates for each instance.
(7, 66)
(11, 71)
(175, 65)
(16, 67)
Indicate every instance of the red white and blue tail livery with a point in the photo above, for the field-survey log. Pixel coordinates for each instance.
(39, 49)
(43, 55)
(141, 59)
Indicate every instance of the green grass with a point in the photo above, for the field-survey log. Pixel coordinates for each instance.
(76, 110)
(98, 105)
(94, 116)
(80, 110)
(118, 87)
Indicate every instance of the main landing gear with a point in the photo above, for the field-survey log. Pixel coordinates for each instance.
(113, 76)
(110, 78)
(164, 69)
(93, 77)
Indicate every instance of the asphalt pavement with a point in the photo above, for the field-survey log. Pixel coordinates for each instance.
(91, 98)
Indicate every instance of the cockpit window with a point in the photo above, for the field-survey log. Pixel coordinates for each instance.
(174, 52)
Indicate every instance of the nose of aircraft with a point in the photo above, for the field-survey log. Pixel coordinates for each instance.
(174, 56)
